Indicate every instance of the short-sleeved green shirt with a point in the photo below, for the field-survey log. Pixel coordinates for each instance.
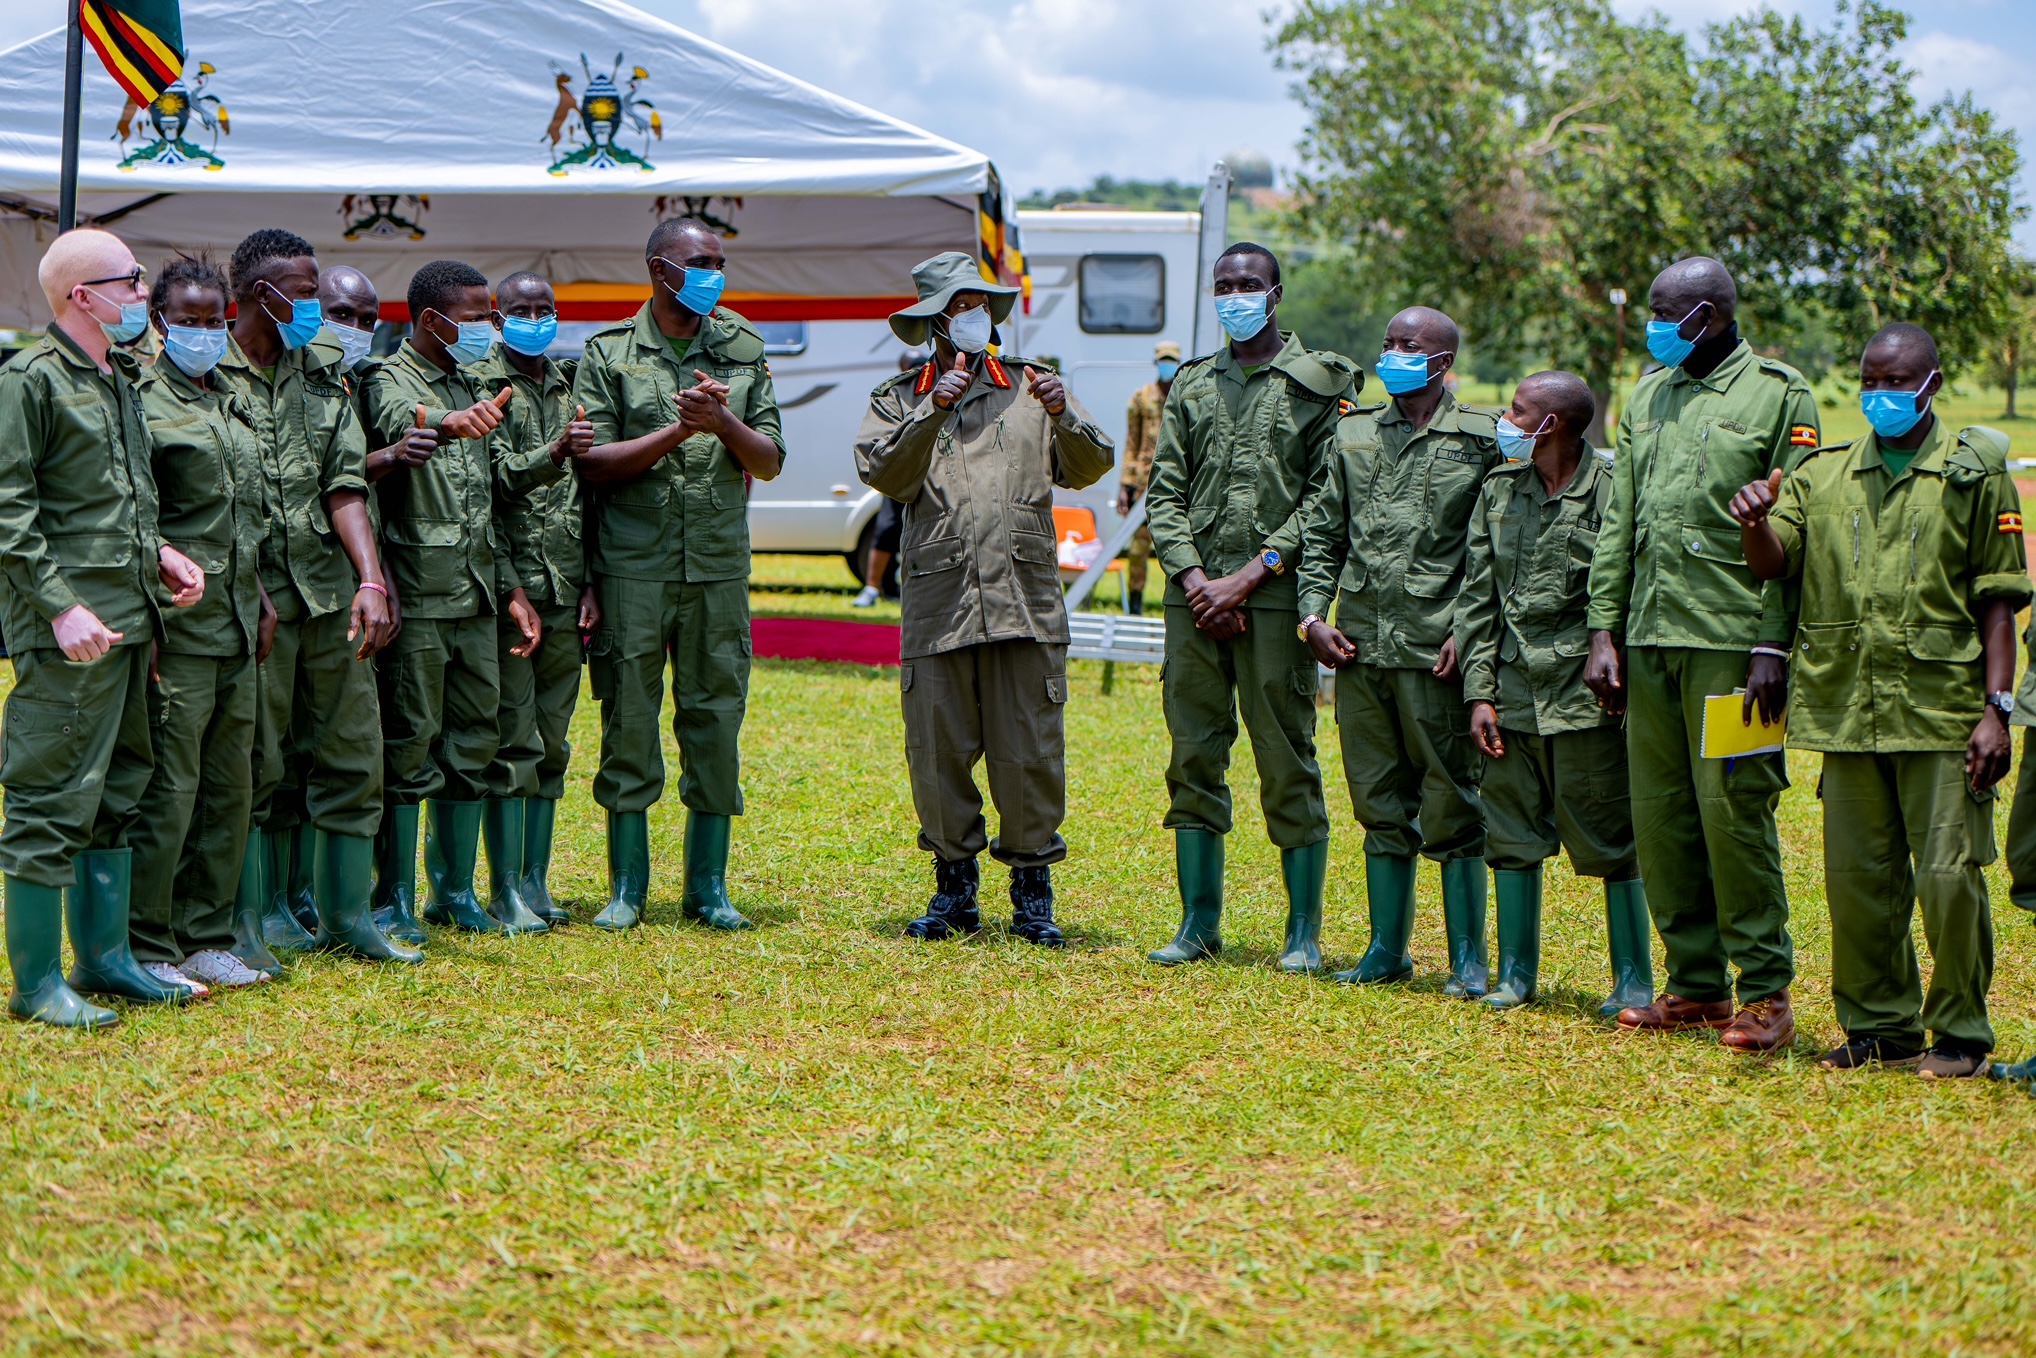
(1887, 655)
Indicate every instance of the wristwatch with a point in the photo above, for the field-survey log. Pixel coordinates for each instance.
(1271, 557)
(2003, 703)
(1306, 623)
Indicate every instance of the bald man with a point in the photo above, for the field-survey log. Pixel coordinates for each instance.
(87, 573)
(1385, 542)
(1677, 616)
(1555, 762)
(352, 307)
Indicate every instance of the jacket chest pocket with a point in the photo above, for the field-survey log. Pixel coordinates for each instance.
(648, 403)
(425, 555)
(1580, 550)
(1452, 483)
(1728, 456)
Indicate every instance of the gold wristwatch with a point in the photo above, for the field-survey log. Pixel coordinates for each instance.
(1270, 558)
(1306, 623)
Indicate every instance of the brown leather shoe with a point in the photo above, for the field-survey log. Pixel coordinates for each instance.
(1674, 1014)
(1763, 1026)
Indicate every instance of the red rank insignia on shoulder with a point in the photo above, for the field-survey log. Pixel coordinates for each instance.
(1803, 436)
(2011, 523)
(925, 382)
(998, 377)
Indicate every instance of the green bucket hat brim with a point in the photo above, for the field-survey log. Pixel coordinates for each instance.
(938, 280)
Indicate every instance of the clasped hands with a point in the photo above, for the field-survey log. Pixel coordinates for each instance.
(83, 638)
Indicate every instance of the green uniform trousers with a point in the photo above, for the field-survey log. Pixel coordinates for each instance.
(1001, 703)
(441, 691)
(318, 732)
(1705, 831)
(1409, 760)
(1899, 827)
(2022, 828)
(1567, 790)
(1269, 675)
(192, 830)
(705, 630)
(539, 692)
(74, 758)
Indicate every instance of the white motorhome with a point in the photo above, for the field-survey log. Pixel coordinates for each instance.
(1106, 287)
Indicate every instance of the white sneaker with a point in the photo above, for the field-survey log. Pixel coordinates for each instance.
(216, 967)
(169, 975)
(866, 599)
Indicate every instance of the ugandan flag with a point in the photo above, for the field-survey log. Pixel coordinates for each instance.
(141, 42)
(998, 253)
(1802, 435)
(2010, 523)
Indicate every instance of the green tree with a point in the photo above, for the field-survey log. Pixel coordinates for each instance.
(1142, 195)
(1516, 160)
(2015, 348)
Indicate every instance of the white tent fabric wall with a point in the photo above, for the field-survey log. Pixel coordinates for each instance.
(454, 156)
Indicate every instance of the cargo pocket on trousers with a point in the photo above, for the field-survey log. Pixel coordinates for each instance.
(601, 665)
(1306, 681)
(39, 748)
(1056, 688)
(904, 678)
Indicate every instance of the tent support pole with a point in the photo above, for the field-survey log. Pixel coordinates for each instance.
(74, 84)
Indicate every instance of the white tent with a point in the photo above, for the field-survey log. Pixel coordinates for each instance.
(514, 134)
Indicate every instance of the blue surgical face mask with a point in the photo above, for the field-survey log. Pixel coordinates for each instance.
(195, 350)
(701, 290)
(1665, 339)
(1166, 368)
(1515, 443)
(1894, 413)
(306, 316)
(353, 344)
(133, 319)
(476, 339)
(529, 337)
(1242, 314)
(1401, 373)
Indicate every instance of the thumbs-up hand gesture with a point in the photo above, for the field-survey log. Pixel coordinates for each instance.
(953, 383)
(1046, 388)
(1751, 505)
(420, 441)
(479, 419)
(577, 439)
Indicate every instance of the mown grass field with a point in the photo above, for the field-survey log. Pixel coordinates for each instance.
(819, 1138)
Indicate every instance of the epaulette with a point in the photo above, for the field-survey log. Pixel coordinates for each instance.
(1481, 413)
(745, 345)
(1983, 449)
(1777, 368)
(1321, 372)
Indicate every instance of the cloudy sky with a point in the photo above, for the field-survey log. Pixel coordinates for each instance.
(1059, 91)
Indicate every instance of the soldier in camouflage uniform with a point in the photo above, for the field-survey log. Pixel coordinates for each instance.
(1141, 437)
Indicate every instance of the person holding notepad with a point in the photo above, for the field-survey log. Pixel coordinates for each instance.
(1908, 544)
(1675, 618)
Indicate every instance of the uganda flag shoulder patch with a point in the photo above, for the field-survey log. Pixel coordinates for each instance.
(2011, 523)
(1802, 435)
(1345, 406)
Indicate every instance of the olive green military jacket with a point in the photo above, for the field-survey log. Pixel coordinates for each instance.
(437, 519)
(1386, 534)
(1237, 459)
(978, 560)
(207, 462)
(312, 446)
(1894, 569)
(1520, 618)
(1670, 568)
(539, 517)
(77, 500)
(687, 518)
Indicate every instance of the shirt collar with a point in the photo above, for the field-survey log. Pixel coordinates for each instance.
(1721, 376)
(1929, 457)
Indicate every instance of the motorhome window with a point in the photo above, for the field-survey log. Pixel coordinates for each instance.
(782, 337)
(1123, 294)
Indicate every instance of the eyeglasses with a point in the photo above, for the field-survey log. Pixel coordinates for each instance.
(138, 277)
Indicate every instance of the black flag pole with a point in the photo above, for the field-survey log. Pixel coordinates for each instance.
(74, 86)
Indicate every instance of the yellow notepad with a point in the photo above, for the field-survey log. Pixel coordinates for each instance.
(1728, 735)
